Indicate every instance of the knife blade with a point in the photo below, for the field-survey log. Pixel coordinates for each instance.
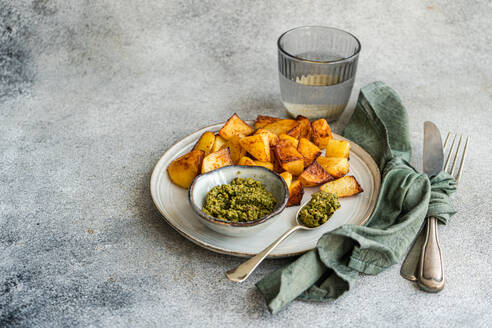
(433, 159)
(433, 153)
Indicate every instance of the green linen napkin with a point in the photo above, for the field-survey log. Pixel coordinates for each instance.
(380, 125)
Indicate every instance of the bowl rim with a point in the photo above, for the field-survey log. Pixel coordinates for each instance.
(233, 223)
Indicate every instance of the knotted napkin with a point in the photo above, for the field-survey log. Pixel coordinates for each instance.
(380, 125)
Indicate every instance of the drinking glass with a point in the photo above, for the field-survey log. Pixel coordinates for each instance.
(317, 68)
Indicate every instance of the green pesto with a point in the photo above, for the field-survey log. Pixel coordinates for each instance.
(243, 200)
(319, 209)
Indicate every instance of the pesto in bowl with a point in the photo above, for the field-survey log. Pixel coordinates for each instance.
(319, 209)
(243, 200)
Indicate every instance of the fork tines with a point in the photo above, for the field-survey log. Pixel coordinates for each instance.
(457, 154)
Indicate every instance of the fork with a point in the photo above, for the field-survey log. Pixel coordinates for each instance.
(431, 274)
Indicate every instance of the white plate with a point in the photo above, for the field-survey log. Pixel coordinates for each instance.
(172, 202)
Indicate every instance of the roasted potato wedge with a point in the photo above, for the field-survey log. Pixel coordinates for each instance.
(314, 175)
(308, 150)
(336, 166)
(246, 161)
(296, 191)
(262, 121)
(258, 146)
(216, 160)
(268, 165)
(293, 141)
(289, 158)
(321, 132)
(306, 130)
(218, 143)
(235, 127)
(322, 141)
(287, 177)
(337, 148)
(205, 143)
(295, 132)
(273, 158)
(282, 126)
(321, 128)
(343, 187)
(272, 137)
(184, 169)
(236, 150)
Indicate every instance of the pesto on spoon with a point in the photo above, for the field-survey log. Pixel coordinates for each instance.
(319, 209)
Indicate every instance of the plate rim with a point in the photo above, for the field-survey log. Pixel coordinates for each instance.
(153, 177)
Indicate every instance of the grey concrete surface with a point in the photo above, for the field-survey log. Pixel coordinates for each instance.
(93, 92)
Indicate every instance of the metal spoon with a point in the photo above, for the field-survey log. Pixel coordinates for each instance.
(242, 272)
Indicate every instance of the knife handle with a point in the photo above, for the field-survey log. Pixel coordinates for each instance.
(431, 273)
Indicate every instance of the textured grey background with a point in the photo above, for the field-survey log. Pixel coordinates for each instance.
(93, 92)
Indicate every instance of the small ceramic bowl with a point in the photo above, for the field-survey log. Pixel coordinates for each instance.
(205, 182)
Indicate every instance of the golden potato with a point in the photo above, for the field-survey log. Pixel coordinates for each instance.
(308, 150)
(235, 127)
(314, 175)
(289, 158)
(272, 137)
(216, 160)
(287, 177)
(184, 169)
(258, 146)
(336, 166)
(236, 150)
(268, 165)
(206, 142)
(282, 126)
(246, 161)
(262, 121)
(343, 187)
(337, 148)
(293, 141)
(322, 141)
(218, 143)
(321, 128)
(321, 132)
(295, 131)
(296, 191)
(306, 130)
(273, 158)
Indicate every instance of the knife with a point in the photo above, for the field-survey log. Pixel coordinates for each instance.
(424, 261)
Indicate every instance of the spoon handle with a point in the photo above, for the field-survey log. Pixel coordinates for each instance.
(243, 271)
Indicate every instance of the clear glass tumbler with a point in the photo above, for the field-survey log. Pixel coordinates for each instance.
(317, 68)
